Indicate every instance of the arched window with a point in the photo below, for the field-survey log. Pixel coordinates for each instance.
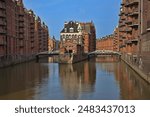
(67, 36)
(75, 36)
(71, 29)
(70, 36)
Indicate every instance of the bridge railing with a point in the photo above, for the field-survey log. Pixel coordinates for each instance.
(104, 52)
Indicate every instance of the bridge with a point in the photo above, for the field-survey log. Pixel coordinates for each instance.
(104, 52)
(97, 52)
(47, 53)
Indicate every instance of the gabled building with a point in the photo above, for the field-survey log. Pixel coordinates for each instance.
(76, 33)
(71, 36)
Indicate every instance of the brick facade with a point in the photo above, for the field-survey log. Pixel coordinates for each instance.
(22, 34)
(51, 44)
(145, 36)
(134, 33)
(105, 43)
(76, 33)
(109, 42)
(3, 27)
(129, 26)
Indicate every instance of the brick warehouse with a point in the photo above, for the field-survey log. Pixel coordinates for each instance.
(22, 34)
(134, 33)
(76, 33)
(109, 42)
(132, 37)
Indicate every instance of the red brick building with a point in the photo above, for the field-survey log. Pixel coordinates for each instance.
(51, 44)
(3, 27)
(116, 40)
(89, 35)
(129, 26)
(105, 43)
(134, 33)
(75, 34)
(145, 36)
(109, 42)
(21, 34)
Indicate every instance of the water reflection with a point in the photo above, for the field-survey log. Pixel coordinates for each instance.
(97, 78)
(132, 86)
(77, 79)
(16, 82)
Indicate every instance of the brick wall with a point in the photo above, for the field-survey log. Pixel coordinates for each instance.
(21, 36)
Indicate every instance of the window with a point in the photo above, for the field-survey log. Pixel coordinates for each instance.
(67, 36)
(73, 36)
(71, 29)
(70, 36)
(65, 29)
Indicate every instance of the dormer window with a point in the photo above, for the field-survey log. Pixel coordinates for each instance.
(65, 29)
(71, 29)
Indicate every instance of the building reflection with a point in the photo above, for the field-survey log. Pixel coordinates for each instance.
(132, 86)
(19, 81)
(108, 58)
(77, 78)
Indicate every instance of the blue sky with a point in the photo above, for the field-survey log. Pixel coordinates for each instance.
(104, 13)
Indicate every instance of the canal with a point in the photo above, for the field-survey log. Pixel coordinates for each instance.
(101, 78)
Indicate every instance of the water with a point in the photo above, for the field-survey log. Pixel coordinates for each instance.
(99, 78)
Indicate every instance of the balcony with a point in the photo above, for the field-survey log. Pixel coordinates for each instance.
(21, 36)
(122, 46)
(2, 14)
(128, 42)
(32, 40)
(21, 14)
(128, 30)
(21, 45)
(2, 6)
(123, 37)
(32, 36)
(2, 42)
(122, 24)
(131, 3)
(21, 30)
(2, 31)
(128, 21)
(2, 23)
(123, 17)
(121, 30)
(134, 24)
(121, 13)
(134, 13)
(21, 19)
(134, 40)
(21, 25)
